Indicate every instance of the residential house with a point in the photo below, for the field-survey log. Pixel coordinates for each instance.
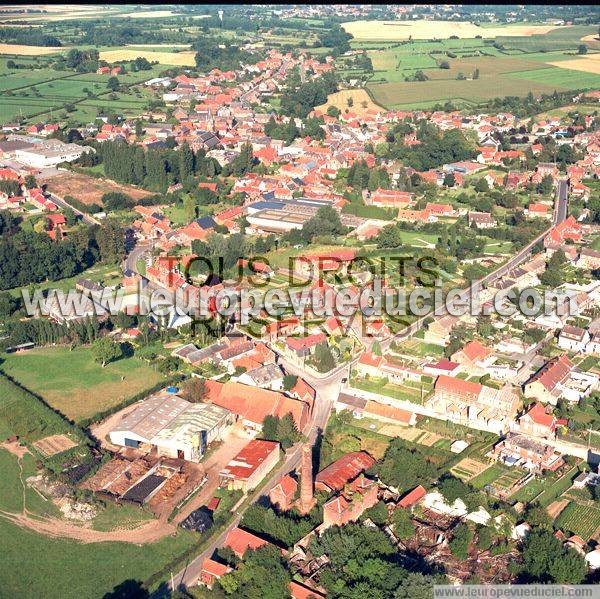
(538, 422)
(573, 338)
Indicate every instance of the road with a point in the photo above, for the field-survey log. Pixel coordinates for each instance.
(87, 218)
(562, 202)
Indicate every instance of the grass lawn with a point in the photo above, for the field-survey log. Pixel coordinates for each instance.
(488, 476)
(530, 491)
(73, 383)
(382, 387)
(553, 492)
(582, 520)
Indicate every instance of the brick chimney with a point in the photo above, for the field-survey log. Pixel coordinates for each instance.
(307, 499)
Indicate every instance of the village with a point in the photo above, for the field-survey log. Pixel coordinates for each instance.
(454, 441)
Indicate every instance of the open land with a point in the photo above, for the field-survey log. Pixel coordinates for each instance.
(87, 189)
(84, 388)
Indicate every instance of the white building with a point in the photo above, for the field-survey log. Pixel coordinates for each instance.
(172, 426)
(573, 338)
(50, 153)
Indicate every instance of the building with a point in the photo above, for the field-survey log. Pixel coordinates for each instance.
(356, 497)
(472, 404)
(50, 153)
(538, 422)
(473, 357)
(481, 220)
(252, 404)
(520, 450)
(250, 465)
(573, 338)
(343, 470)
(171, 426)
(239, 541)
(212, 571)
(547, 383)
(282, 495)
(412, 497)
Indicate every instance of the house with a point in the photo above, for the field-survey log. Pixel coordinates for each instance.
(573, 338)
(472, 404)
(252, 404)
(212, 571)
(305, 346)
(473, 357)
(239, 541)
(588, 258)
(280, 328)
(357, 496)
(301, 591)
(343, 470)
(520, 450)
(481, 220)
(538, 422)
(250, 465)
(439, 330)
(283, 494)
(546, 383)
(369, 364)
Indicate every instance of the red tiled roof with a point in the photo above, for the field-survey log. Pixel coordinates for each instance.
(413, 497)
(476, 351)
(553, 372)
(345, 469)
(457, 386)
(538, 414)
(250, 458)
(214, 568)
(239, 541)
(300, 591)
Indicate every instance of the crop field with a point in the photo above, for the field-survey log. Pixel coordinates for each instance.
(488, 476)
(421, 29)
(360, 99)
(21, 50)
(587, 64)
(185, 58)
(579, 519)
(497, 76)
(74, 384)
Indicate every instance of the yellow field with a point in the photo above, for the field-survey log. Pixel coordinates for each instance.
(361, 101)
(402, 30)
(184, 59)
(150, 14)
(588, 64)
(27, 50)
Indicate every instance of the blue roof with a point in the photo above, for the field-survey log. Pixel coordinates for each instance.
(266, 205)
(206, 222)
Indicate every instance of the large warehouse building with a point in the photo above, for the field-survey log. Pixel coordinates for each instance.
(172, 426)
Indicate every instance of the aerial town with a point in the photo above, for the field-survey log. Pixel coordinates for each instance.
(298, 301)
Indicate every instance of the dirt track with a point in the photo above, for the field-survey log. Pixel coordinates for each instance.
(52, 527)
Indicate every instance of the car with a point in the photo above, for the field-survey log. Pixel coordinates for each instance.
(345, 379)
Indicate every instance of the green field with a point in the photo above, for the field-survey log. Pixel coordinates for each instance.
(488, 476)
(579, 519)
(517, 67)
(74, 384)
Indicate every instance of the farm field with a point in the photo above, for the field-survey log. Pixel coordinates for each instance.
(73, 383)
(87, 189)
(579, 519)
(28, 50)
(185, 58)
(488, 476)
(360, 99)
(421, 29)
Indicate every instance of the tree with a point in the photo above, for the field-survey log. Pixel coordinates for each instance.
(377, 513)
(333, 111)
(482, 186)
(105, 350)
(546, 185)
(546, 560)
(194, 390)
(324, 360)
(350, 101)
(403, 526)
(289, 381)
(449, 180)
(416, 586)
(30, 181)
(112, 84)
(189, 207)
(444, 64)
(582, 49)
(476, 74)
(404, 468)
(459, 545)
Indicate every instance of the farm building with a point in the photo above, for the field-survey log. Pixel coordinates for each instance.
(250, 465)
(172, 426)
